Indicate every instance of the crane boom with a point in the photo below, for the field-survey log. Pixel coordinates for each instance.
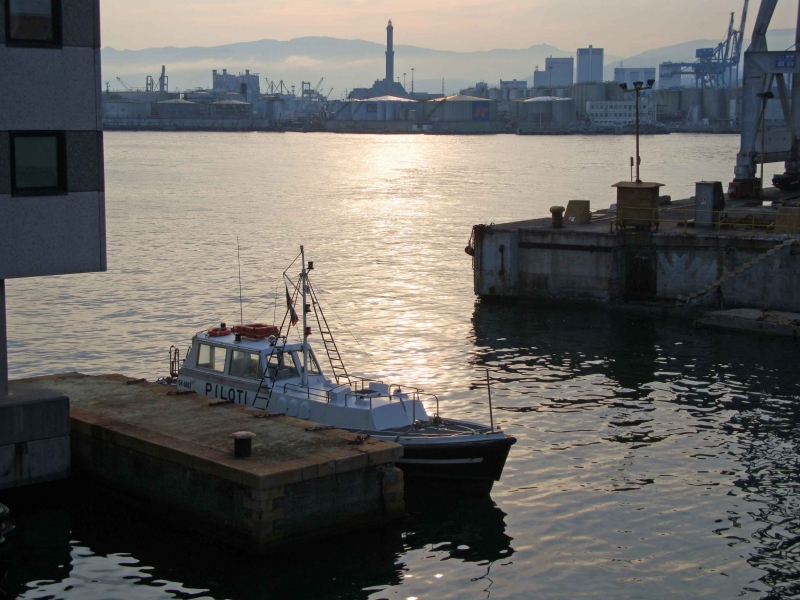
(125, 85)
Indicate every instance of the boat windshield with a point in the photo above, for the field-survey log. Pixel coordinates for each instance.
(211, 358)
(286, 366)
(244, 364)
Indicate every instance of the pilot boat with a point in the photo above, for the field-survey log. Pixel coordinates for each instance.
(258, 365)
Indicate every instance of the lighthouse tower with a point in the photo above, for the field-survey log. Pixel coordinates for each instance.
(390, 53)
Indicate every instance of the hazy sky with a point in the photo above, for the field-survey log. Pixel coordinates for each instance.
(622, 27)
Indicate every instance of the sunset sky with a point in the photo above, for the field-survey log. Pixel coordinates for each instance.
(622, 27)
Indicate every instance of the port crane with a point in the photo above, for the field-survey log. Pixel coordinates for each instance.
(716, 67)
(765, 70)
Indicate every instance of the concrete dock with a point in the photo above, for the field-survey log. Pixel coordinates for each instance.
(748, 260)
(173, 455)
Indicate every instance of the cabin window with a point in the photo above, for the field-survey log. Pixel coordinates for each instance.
(34, 22)
(244, 364)
(211, 358)
(286, 366)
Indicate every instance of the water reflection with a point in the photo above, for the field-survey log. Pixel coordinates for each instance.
(74, 540)
(707, 420)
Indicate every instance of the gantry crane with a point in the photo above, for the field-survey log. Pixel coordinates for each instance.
(716, 67)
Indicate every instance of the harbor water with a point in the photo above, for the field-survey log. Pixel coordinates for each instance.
(654, 460)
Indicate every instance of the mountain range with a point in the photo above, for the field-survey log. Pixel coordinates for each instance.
(345, 64)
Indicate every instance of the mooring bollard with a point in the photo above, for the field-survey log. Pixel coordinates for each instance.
(558, 216)
(243, 444)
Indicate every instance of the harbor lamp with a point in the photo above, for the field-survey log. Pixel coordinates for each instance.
(638, 88)
(764, 97)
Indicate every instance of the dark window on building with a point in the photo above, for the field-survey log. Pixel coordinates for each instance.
(33, 22)
(38, 163)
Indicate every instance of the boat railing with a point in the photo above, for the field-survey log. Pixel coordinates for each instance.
(316, 393)
(361, 391)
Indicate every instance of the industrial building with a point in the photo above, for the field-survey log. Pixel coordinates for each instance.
(234, 102)
(452, 114)
(513, 90)
(246, 84)
(557, 72)
(621, 113)
(629, 75)
(382, 108)
(386, 86)
(590, 65)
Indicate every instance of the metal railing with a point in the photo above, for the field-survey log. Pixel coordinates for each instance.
(359, 390)
(644, 217)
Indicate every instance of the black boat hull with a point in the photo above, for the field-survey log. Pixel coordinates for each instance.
(472, 466)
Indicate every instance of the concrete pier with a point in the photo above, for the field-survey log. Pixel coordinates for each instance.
(748, 261)
(754, 321)
(173, 455)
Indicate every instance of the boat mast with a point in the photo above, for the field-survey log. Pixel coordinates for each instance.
(304, 284)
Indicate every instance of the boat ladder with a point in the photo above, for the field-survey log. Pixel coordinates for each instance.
(267, 384)
(334, 357)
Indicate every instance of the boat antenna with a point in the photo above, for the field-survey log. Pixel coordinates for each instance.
(306, 330)
(239, 259)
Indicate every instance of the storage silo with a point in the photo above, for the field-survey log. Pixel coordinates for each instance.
(122, 108)
(176, 109)
(714, 108)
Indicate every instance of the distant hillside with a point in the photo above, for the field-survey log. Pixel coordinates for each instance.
(346, 64)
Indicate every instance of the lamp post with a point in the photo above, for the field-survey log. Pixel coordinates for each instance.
(404, 81)
(638, 87)
(764, 97)
(412, 80)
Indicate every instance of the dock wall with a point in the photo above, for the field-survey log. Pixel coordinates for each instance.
(606, 267)
(239, 503)
(34, 437)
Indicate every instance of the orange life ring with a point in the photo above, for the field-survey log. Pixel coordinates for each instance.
(256, 330)
(219, 331)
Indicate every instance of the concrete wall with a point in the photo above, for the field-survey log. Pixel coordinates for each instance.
(685, 266)
(34, 438)
(594, 266)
